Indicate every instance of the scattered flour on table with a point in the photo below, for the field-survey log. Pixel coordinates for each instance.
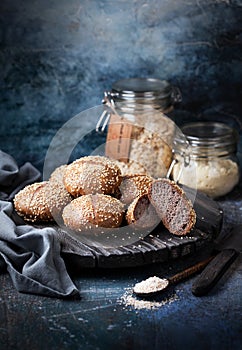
(129, 300)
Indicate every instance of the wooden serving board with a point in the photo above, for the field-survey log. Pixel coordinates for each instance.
(157, 246)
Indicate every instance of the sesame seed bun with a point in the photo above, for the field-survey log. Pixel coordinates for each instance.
(92, 211)
(31, 203)
(131, 167)
(141, 213)
(43, 201)
(57, 196)
(133, 186)
(91, 175)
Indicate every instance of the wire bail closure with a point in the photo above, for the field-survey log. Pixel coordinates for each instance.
(176, 95)
(186, 161)
(105, 116)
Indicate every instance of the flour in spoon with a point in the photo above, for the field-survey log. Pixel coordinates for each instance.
(151, 285)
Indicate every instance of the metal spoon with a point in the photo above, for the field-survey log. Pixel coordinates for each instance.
(155, 285)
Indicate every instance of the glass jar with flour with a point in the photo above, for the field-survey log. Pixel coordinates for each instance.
(139, 131)
(211, 155)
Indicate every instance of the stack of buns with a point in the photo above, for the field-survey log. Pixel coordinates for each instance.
(93, 192)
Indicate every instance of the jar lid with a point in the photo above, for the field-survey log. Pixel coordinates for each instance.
(135, 88)
(207, 139)
(210, 134)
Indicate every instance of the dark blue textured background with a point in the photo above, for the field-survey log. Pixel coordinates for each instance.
(57, 57)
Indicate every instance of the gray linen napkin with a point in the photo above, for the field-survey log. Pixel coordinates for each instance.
(13, 178)
(31, 255)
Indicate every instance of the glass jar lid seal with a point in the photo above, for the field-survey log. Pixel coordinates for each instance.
(135, 88)
(210, 134)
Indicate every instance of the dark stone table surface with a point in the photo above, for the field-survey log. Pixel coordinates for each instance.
(101, 320)
(107, 317)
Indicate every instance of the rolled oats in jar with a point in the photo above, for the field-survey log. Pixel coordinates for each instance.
(140, 133)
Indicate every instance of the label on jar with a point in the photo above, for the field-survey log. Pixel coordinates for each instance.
(118, 138)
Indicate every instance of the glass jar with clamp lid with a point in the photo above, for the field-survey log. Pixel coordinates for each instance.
(140, 133)
(212, 156)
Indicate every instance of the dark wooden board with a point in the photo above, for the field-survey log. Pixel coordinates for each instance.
(157, 246)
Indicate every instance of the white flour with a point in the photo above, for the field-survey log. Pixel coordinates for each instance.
(128, 300)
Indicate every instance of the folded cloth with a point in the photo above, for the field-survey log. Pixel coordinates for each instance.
(31, 255)
(13, 178)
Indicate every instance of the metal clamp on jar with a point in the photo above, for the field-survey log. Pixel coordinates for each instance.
(139, 132)
(212, 158)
